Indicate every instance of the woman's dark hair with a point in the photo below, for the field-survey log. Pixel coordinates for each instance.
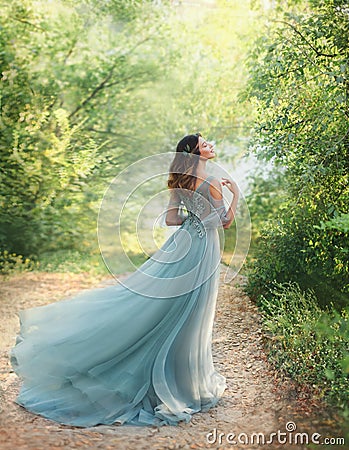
(182, 173)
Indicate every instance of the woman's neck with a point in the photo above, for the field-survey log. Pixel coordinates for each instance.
(201, 167)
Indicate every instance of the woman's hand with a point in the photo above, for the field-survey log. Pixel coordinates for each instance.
(231, 185)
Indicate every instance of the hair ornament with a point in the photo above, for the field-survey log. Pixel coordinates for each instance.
(187, 150)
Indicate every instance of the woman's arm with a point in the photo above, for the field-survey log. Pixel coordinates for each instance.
(234, 189)
(216, 193)
(173, 218)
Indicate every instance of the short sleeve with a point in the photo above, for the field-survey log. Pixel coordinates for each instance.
(221, 210)
(219, 206)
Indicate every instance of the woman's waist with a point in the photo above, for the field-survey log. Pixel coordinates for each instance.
(194, 222)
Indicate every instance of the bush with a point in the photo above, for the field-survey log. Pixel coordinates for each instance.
(72, 261)
(305, 250)
(308, 343)
(11, 263)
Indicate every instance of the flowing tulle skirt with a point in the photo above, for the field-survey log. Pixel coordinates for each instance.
(131, 353)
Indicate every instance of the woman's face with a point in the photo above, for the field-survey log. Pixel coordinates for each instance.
(206, 149)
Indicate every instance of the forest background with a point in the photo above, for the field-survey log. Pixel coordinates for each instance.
(90, 87)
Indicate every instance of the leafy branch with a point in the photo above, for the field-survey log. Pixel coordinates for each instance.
(104, 83)
(26, 22)
(318, 53)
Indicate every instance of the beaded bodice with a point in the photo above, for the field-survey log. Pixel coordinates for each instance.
(202, 210)
(195, 206)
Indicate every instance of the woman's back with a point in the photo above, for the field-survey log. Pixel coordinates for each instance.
(200, 204)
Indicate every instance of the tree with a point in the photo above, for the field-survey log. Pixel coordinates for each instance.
(88, 87)
(68, 71)
(299, 82)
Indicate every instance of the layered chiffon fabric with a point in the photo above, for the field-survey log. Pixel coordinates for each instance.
(136, 353)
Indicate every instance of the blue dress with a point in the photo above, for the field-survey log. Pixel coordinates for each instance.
(137, 352)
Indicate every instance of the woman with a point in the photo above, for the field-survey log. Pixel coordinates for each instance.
(137, 353)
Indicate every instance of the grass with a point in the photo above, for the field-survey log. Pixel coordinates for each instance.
(64, 261)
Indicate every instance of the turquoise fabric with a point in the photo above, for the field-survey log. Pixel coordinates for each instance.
(136, 353)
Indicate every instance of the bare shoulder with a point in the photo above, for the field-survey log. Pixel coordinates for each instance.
(216, 189)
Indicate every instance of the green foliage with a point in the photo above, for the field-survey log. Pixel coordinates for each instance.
(308, 343)
(48, 153)
(298, 272)
(87, 88)
(11, 263)
(71, 261)
(299, 84)
(266, 199)
(293, 249)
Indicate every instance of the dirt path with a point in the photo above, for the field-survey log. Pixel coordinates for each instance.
(256, 401)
